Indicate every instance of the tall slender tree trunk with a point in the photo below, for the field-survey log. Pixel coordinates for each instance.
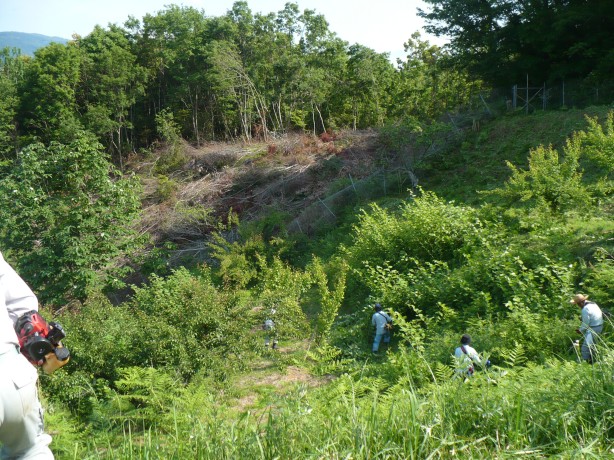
(195, 119)
(321, 118)
(313, 118)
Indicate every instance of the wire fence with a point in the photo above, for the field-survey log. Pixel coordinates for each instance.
(559, 95)
(325, 212)
(384, 182)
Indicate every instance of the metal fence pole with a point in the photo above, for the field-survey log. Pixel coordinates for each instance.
(527, 111)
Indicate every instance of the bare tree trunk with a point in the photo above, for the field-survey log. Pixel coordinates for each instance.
(195, 118)
(212, 124)
(192, 105)
(245, 119)
(259, 104)
(313, 119)
(117, 146)
(277, 112)
(321, 119)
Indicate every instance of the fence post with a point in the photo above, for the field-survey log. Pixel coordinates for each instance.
(527, 103)
(324, 204)
(485, 105)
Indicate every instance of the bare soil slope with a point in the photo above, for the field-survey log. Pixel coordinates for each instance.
(285, 175)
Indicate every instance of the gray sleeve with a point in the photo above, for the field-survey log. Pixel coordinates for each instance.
(585, 320)
(475, 357)
(18, 296)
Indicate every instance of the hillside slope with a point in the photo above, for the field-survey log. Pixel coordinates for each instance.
(478, 162)
(28, 43)
(313, 185)
(183, 362)
(282, 177)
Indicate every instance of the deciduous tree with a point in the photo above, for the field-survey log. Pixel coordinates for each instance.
(504, 40)
(111, 81)
(48, 108)
(12, 66)
(66, 217)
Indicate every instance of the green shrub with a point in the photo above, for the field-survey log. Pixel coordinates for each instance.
(597, 144)
(173, 157)
(281, 288)
(598, 281)
(167, 188)
(352, 333)
(330, 297)
(144, 397)
(67, 218)
(179, 323)
(185, 318)
(238, 261)
(79, 391)
(548, 181)
(425, 229)
(557, 184)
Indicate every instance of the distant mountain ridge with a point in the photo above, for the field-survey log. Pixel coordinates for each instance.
(27, 42)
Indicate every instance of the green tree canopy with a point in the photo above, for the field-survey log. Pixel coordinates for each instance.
(504, 40)
(12, 66)
(48, 93)
(111, 81)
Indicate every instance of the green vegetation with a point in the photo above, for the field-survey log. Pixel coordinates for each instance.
(162, 253)
(179, 370)
(238, 76)
(503, 41)
(67, 205)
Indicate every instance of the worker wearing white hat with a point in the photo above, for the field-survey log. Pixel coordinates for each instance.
(591, 327)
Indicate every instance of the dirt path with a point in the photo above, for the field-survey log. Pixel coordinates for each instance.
(267, 378)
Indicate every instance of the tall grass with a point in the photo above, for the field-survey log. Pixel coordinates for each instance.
(560, 409)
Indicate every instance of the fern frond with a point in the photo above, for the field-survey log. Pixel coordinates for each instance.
(515, 356)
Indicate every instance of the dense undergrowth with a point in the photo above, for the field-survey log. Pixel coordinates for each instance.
(156, 376)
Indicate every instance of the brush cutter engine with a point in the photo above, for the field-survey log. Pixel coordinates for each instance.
(40, 342)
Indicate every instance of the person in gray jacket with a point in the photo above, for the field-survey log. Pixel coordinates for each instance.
(270, 330)
(591, 327)
(21, 419)
(380, 320)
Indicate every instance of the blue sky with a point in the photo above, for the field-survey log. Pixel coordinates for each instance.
(383, 25)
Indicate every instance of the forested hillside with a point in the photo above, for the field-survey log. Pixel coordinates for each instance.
(27, 43)
(169, 185)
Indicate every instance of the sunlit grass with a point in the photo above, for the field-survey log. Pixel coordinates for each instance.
(562, 409)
